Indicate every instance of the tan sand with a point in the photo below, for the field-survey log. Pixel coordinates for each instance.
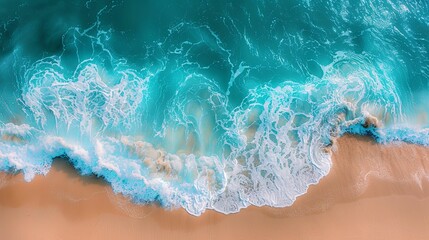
(372, 192)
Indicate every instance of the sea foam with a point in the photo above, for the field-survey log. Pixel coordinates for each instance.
(210, 112)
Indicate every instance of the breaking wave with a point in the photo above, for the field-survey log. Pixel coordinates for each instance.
(210, 112)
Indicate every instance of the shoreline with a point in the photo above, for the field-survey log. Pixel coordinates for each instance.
(372, 191)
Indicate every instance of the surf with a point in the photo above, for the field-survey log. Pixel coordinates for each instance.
(208, 113)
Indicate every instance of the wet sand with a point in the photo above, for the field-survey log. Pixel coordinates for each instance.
(372, 192)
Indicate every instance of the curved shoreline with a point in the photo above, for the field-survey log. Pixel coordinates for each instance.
(373, 191)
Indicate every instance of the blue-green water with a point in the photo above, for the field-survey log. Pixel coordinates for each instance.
(207, 104)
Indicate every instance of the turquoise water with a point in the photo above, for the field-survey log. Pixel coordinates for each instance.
(207, 104)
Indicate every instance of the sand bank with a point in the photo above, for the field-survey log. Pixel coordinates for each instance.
(372, 192)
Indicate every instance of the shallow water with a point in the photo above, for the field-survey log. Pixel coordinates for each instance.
(207, 104)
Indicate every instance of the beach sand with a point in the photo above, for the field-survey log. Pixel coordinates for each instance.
(373, 191)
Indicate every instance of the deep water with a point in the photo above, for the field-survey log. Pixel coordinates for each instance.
(207, 104)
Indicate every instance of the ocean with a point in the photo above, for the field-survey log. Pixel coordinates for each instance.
(208, 104)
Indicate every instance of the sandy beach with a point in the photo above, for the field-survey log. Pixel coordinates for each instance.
(373, 191)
